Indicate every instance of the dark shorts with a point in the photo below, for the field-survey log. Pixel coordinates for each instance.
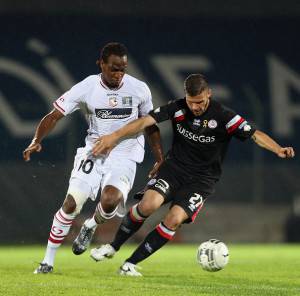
(182, 189)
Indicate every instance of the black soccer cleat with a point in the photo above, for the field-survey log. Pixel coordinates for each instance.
(43, 268)
(83, 240)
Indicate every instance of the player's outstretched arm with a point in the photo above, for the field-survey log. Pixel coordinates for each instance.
(43, 129)
(264, 141)
(106, 143)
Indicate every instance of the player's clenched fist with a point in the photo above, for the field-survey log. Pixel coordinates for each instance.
(286, 152)
(33, 147)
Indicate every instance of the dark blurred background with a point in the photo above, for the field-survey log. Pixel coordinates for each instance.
(249, 51)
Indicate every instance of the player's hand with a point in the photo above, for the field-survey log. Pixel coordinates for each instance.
(155, 168)
(286, 152)
(104, 145)
(33, 147)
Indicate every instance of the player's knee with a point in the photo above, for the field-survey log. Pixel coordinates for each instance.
(172, 221)
(69, 205)
(74, 201)
(110, 199)
(146, 209)
(150, 203)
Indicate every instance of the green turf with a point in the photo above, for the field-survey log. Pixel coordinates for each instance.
(252, 270)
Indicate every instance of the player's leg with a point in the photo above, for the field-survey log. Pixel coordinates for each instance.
(156, 239)
(186, 205)
(130, 224)
(159, 190)
(116, 183)
(83, 178)
(62, 222)
(105, 210)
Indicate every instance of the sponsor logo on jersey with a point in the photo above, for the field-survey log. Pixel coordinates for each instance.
(234, 123)
(113, 102)
(196, 138)
(197, 122)
(118, 113)
(162, 185)
(212, 124)
(127, 101)
(179, 115)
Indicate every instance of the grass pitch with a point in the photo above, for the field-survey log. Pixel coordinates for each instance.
(252, 270)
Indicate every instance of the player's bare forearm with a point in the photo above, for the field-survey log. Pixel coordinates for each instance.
(46, 125)
(43, 129)
(134, 127)
(106, 143)
(266, 142)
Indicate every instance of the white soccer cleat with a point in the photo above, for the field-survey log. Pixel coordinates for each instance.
(129, 269)
(103, 252)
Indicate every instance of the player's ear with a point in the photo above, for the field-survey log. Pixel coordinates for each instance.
(101, 64)
(209, 92)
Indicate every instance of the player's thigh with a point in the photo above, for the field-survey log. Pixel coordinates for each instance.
(85, 175)
(119, 173)
(191, 198)
(166, 183)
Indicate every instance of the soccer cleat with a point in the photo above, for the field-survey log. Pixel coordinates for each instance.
(129, 269)
(83, 240)
(103, 252)
(43, 268)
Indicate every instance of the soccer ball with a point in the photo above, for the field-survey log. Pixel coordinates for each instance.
(212, 255)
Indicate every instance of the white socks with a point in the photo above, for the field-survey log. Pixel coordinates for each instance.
(61, 225)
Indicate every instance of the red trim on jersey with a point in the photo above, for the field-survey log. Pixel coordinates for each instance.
(133, 218)
(162, 233)
(235, 126)
(107, 87)
(179, 118)
(58, 107)
(196, 213)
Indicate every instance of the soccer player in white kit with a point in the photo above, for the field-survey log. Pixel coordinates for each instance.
(110, 100)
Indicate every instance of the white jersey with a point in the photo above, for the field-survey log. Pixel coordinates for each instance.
(108, 110)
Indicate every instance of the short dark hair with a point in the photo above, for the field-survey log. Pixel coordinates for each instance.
(114, 48)
(195, 84)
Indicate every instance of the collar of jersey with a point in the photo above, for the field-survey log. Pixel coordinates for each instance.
(107, 87)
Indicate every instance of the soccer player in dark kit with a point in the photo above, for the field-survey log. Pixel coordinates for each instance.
(202, 131)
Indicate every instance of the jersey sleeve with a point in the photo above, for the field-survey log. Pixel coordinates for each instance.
(146, 106)
(236, 125)
(70, 100)
(164, 112)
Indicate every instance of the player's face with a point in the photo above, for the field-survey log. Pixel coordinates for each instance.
(113, 70)
(198, 104)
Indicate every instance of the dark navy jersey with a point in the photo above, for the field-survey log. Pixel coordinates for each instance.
(200, 142)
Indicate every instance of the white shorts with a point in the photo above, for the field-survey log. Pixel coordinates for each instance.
(97, 172)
